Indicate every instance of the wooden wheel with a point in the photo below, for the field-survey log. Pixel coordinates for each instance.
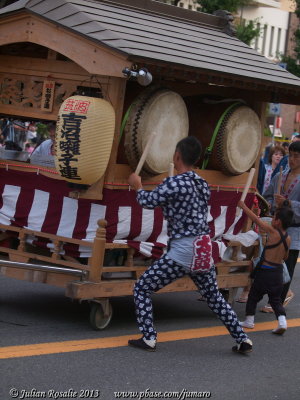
(100, 314)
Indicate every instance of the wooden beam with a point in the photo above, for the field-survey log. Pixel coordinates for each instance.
(27, 112)
(124, 287)
(116, 94)
(90, 55)
(59, 280)
(57, 69)
(263, 91)
(51, 54)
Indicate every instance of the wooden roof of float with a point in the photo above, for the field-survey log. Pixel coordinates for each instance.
(187, 45)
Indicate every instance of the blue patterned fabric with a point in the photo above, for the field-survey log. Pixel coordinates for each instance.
(164, 271)
(183, 199)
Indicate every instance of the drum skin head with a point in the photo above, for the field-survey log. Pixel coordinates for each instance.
(164, 112)
(238, 141)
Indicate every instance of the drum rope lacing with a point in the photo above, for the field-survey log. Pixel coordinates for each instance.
(220, 124)
(144, 98)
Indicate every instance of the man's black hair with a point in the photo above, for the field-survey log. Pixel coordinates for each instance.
(285, 215)
(51, 126)
(190, 150)
(295, 146)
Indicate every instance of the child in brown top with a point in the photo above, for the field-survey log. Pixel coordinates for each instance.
(268, 277)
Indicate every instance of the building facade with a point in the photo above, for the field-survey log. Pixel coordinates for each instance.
(188, 4)
(277, 23)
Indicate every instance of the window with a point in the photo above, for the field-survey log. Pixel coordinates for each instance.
(271, 42)
(264, 39)
(278, 42)
(257, 38)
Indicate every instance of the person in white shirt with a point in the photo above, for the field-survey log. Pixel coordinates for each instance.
(47, 147)
(44, 153)
(31, 132)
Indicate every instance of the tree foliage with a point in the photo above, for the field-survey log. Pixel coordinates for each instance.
(210, 6)
(245, 31)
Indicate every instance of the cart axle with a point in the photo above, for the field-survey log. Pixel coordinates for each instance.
(44, 268)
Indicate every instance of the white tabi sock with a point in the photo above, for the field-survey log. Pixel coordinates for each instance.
(150, 342)
(282, 325)
(249, 322)
(282, 321)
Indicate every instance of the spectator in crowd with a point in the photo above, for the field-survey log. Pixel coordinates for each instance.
(47, 147)
(284, 161)
(31, 132)
(285, 145)
(289, 195)
(276, 153)
(29, 147)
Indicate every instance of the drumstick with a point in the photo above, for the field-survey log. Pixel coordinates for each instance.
(145, 153)
(279, 181)
(246, 188)
(171, 169)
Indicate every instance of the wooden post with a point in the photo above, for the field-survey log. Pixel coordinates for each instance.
(116, 92)
(130, 253)
(22, 241)
(56, 250)
(96, 261)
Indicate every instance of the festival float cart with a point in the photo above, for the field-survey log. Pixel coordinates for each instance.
(94, 239)
(77, 225)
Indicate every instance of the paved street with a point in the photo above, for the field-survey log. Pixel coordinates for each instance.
(35, 314)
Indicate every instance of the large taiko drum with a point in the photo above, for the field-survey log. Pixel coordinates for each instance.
(231, 131)
(164, 112)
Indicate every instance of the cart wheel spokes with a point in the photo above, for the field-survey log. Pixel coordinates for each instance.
(100, 314)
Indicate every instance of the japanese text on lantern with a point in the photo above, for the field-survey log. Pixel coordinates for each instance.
(77, 106)
(69, 145)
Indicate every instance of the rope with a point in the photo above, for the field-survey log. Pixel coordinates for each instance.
(208, 150)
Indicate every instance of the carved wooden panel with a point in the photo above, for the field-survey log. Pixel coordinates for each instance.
(26, 91)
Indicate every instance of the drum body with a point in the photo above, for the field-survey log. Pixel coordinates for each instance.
(164, 112)
(238, 134)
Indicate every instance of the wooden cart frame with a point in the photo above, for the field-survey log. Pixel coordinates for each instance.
(87, 281)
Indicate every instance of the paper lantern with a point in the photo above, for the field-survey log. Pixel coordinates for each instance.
(84, 135)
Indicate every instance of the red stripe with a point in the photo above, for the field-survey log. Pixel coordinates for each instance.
(53, 214)
(215, 252)
(82, 220)
(157, 225)
(23, 207)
